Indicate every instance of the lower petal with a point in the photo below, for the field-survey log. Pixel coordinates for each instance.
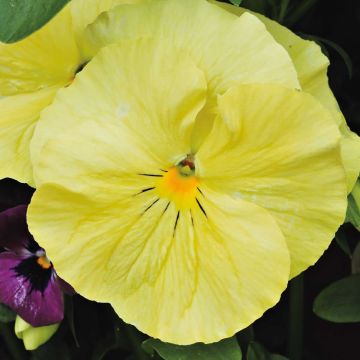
(36, 307)
(184, 276)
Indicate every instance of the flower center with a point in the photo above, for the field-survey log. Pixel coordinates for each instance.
(44, 262)
(179, 184)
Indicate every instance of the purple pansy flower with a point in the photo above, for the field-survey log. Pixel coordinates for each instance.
(28, 281)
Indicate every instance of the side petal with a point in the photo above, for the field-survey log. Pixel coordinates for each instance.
(48, 57)
(311, 67)
(132, 109)
(279, 148)
(310, 63)
(181, 276)
(16, 291)
(18, 117)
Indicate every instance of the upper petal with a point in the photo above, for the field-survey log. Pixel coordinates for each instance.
(84, 12)
(211, 37)
(48, 57)
(310, 63)
(311, 67)
(181, 276)
(131, 109)
(215, 40)
(279, 148)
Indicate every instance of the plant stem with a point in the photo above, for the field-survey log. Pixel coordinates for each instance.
(283, 9)
(296, 315)
(135, 341)
(245, 337)
(14, 346)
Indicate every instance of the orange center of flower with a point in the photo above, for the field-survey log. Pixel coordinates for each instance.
(179, 185)
(44, 262)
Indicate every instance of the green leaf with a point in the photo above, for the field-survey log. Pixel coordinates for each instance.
(341, 240)
(340, 302)
(236, 2)
(105, 344)
(299, 9)
(6, 314)
(259, 6)
(258, 352)
(20, 18)
(353, 210)
(284, 4)
(227, 349)
(355, 261)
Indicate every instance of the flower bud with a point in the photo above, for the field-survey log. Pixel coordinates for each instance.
(33, 337)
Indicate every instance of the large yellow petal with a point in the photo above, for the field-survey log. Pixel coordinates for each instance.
(311, 67)
(182, 277)
(84, 12)
(213, 38)
(135, 98)
(49, 57)
(18, 116)
(279, 148)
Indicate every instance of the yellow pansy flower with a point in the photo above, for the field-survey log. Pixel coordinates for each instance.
(184, 225)
(31, 72)
(311, 66)
(212, 37)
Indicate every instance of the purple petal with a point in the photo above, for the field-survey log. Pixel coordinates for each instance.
(14, 233)
(36, 307)
(66, 287)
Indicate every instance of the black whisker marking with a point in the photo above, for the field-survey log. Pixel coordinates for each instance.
(200, 206)
(163, 170)
(152, 204)
(154, 175)
(200, 191)
(144, 190)
(167, 206)
(176, 222)
(192, 219)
